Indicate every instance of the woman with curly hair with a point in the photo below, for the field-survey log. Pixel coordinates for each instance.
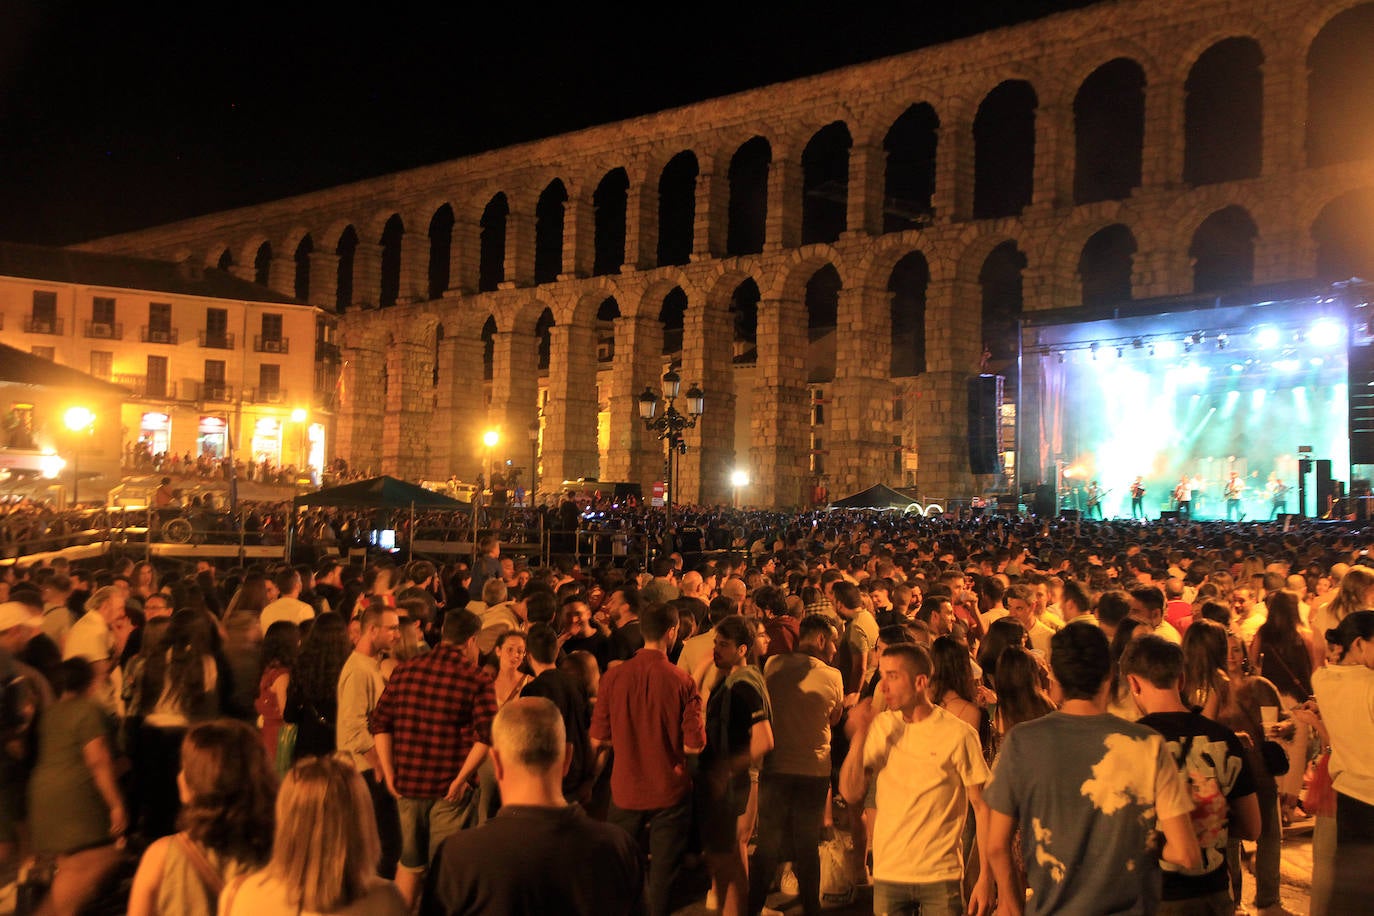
(227, 792)
(312, 693)
(181, 677)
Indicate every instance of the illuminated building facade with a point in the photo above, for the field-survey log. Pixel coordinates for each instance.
(211, 363)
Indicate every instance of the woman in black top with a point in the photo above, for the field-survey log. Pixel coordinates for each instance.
(312, 694)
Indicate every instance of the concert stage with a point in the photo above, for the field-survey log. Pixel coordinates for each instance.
(1258, 382)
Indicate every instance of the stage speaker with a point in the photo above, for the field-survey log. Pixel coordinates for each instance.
(1326, 487)
(1069, 515)
(985, 424)
(1044, 500)
(1360, 373)
(1168, 515)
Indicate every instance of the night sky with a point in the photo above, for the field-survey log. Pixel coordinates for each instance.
(119, 116)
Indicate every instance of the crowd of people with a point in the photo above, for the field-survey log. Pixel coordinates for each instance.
(978, 715)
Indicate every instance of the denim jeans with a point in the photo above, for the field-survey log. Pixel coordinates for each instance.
(791, 811)
(938, 898)
(668, 829)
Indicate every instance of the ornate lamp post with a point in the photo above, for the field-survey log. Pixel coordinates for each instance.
(669, 427)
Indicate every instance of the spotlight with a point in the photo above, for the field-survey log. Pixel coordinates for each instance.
(1222, 340)
(1061, 357)
(1152, 349)
(1120, 353)
(1137, 343)
(1165, 348)
(1266, 336)
(1325, 333)
(1092, 349)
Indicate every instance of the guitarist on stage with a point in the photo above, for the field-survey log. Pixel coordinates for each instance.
(1278, 496)
(1095, 494)
(1137, 497)
(1234, 487)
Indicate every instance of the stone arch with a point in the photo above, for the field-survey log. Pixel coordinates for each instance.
(220, 258)
(440, 232)
(911, 148)
(262, 264)
(874, 120)
(300, 256)
(389, 279)
(491, 269)
(907, 285)
(747, 206)
(1340, 88)
(1224, 112)
(677, 208)
(1004, 150)
(1109, 131)
(550, 215)
(247, 253)
(1342, 236)
(1223, 250)
(1001, 284)
(1105, 265)
(345, 249)
(825, 183)
(610, 203)
(543, 339)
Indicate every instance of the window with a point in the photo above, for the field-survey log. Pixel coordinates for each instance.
(817, 455)
(214, 388)
(898, 408)
(160, 323)
(102, 364)
(271, 327)
(217, 327)
(156, 384)
(269, 381)
(44, 317)
(897, 455)
(103, 310)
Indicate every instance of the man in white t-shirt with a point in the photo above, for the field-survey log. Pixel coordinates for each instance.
(288, 606)
(930, 770)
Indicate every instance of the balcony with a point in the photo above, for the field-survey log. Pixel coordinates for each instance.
(271, 344)
(215, 391)
(266, 396)
(36, 325)
(104, 330)
(142, 387)
(157, 335)
(216, 341)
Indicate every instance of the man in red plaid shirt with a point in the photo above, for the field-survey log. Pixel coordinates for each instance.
(437, 710)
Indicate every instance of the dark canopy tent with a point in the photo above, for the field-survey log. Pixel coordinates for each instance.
(378, 493)
(878, 496)
(381, 493)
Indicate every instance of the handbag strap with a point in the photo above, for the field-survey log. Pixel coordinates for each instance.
(212, 879)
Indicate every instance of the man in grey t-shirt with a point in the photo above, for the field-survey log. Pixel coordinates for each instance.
(1086, 790)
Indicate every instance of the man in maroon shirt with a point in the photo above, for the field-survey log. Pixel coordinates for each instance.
(649, 712)
(435, 713)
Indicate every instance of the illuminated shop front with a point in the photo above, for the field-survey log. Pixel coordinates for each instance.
(213, 437)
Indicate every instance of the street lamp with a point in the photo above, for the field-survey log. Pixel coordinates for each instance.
(738, 479)
(78, 420)
(668, 427)
(534, 459)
